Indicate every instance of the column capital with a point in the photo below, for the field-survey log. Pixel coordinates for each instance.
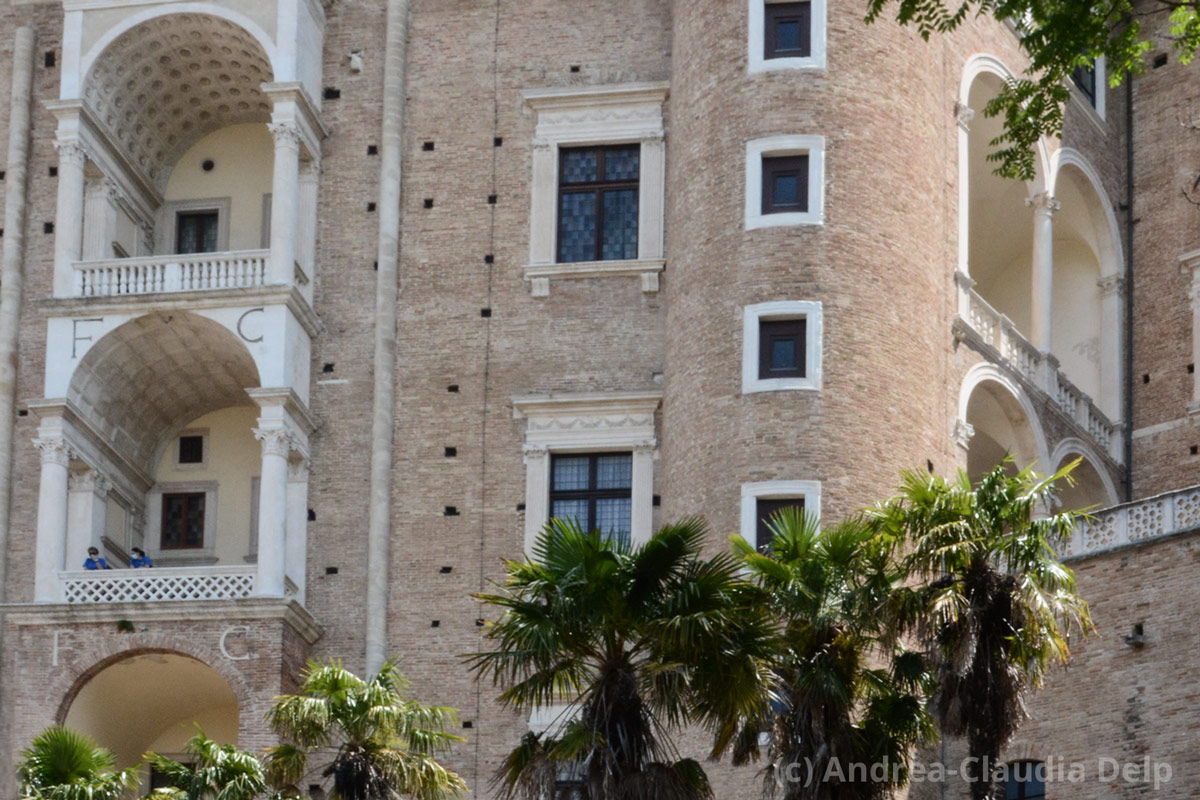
(275, 441)
(1112, 284)
(287, 134)
(963, 113)
(54, 450)
(1043, 203)
(535, 451)
(542, 145)
(88, 481)
(645, 449)
(298, 470)
(963, 431)
(71, 151)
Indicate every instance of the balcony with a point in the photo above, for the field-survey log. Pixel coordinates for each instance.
(242, 269)
(152, 585)
(998, 334)
(1140, 521)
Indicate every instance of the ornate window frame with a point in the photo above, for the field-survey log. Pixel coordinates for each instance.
(588, 423)
(596, 115)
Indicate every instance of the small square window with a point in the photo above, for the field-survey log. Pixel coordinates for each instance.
(788, 30)
(781, 348)
(784, 184)
(766, 508)
(191, 449)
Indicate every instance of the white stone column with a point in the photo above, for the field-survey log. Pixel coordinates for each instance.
(296, 546)
(68, 224)
(87, 513)
(650, 197)
(99, 219)
(641, 495)
(964, 114)
(306, 245)
(49, 555)
(284, 191)
(537, 493)
(1112, 324)
(1042, 297)
(272, 511)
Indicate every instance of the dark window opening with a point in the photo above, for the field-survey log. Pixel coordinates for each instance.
(766, 509)
(598, 203)
(1025, 780)
(781, 348)
(1084, 79)
(182, 521)
(784, 184)
(196, 232)
(191, 449)
(595, 490)
(788, 30)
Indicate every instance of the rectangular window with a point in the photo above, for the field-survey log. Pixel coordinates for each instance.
(191, 449)
(766, 507)
(595, 490)
(788, 30)
(598, 203)
(196, 232)
(781, 348)
(784, 184)
(1084, 79)
(182, 521)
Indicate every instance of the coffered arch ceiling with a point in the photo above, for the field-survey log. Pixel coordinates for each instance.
(154, 374)
(162, 85)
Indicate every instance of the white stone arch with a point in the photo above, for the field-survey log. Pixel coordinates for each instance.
(985, 373)
(1074, 446)
(1112, 255)
(167, 9)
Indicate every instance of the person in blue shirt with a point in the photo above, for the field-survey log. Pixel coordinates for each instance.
(140, 559)
(94, 561)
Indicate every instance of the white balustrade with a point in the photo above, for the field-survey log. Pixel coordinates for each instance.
(999, 332)
(1150, 518)
(173, 273)
(157, 584)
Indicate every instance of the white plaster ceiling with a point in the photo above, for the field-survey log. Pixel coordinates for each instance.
(162, 85)
(155, 374)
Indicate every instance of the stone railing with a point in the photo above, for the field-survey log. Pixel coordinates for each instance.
(175, 273)
(157, 584)
(1150, 518)
(1039, 369)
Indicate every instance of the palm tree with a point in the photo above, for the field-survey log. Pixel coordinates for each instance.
(62, 764)
(991, 604)
(383, 744)
(847, 696)
(634, 641)
(213, 772)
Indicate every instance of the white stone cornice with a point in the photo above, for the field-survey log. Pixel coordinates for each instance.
(564, 422)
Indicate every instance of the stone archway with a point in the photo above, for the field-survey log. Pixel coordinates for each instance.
(1001, 420)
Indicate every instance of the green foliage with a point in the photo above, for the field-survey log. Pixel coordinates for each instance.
(1058, 35)
(633, 642)
(846, 691)
(988, 600)
(212, 772)
(379, 743)
(61, 764)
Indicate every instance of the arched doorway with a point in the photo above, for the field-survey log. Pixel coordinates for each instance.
(153, 701)
(1091, 489)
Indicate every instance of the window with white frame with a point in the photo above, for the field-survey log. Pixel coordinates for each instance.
(596, 205)
(590, 457)
(785, 181)
(786, 34)
(1089, 84)
(781, 346)
(762, 499)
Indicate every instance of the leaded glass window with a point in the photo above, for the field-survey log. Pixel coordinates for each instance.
(598, 203)
(182, 521)
(595, 491)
